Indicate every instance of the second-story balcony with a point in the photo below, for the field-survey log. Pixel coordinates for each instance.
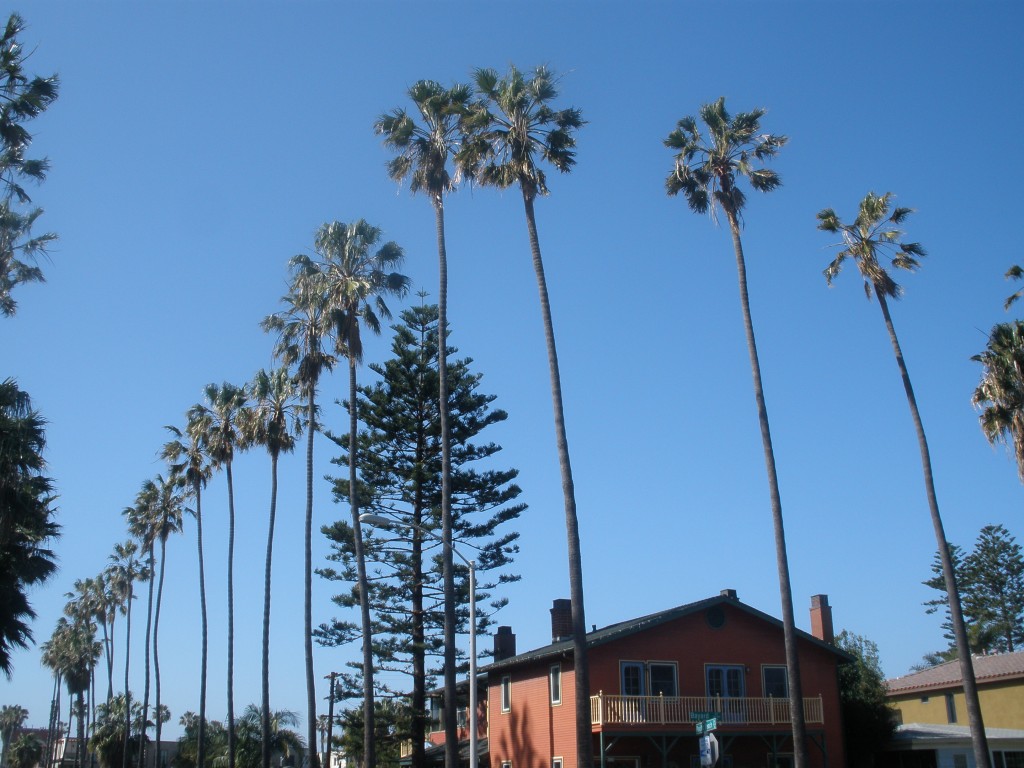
(670, 711)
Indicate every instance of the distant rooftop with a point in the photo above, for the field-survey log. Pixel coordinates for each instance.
(987, 669)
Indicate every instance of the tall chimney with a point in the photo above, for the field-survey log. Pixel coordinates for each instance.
(821, 619)
(561, 620)
(504, 644)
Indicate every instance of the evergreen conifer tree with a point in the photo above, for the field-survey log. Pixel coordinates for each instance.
(399, 447)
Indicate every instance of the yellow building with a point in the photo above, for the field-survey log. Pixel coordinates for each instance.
(936, 695)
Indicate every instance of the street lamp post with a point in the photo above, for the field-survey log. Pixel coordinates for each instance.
(386, 522)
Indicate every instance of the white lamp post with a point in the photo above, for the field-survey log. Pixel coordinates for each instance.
(386, 522)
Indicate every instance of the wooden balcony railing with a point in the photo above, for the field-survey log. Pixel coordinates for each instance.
(607, 709)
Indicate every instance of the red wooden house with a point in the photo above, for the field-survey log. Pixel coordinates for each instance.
(648, 678)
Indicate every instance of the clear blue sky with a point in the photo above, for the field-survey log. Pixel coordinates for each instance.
(197, 146)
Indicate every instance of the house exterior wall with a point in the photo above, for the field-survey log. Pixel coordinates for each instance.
(744, 640)
(534, 731)
(1002, 705)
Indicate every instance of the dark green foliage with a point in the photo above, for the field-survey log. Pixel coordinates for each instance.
(391, 723)
(108, 737)
(400, 476)
(215, 741)
(25, 752)
(283, 741)
(22, 98)
(991, 582)
(868, 720)
(26, 517)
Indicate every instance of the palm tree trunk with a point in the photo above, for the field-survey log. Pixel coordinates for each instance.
(369, 741)
(956, 614)
(80, 739)
(201, 736)
(231, 617)
(156, 645)
(581, 668)
(145, 689)
(796, 700)
(127, 661)
(308, 587)
(265, 713)
(451, 745)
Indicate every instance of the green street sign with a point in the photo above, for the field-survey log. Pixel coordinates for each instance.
(706, 726)
(695, 716)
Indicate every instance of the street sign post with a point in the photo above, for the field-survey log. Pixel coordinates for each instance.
(706, 726)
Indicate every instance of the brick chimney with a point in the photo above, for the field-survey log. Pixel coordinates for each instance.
(561, 620)
(821, 619)
(504, 643)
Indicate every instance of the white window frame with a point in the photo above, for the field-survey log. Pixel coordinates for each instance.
(556, 762)
(506, 697)
(668, 664)
(555, 687)
(764, 681)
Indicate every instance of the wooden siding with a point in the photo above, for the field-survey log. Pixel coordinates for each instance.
(533, 731)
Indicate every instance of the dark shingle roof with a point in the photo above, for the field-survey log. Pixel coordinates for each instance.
(626, 628)
(987, 669)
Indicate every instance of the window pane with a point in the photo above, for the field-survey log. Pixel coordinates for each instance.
(632, 679)
(555, 681)
(776, 682)
(663, 680)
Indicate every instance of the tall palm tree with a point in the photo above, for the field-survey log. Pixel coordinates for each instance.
(1000, 395)
(73, 651)
(216, 422)
(512, 131)
(124, 570)
(874, 233)
(12, 718)
(303, 328)
(358, 279)
(167, 519)
(423, 151)
(142, 526)
(271, 421)
(190, 471)
(707, 171)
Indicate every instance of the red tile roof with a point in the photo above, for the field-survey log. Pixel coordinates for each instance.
(987, 669)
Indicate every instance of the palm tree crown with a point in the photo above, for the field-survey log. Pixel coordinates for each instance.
(706, 167)
(423, 150)
(873, 232)
(1000, 395)
(357, 278)
(514, 126)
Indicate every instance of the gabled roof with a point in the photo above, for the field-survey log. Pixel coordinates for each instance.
(644, 623)
(987, 669)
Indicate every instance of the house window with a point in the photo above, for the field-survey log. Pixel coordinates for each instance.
(663, 679)
(555, 685)
(556, 762)
(725, 680)
(506, 764)
(506, 695)
(633, 678)
(776, 682)
(1009, 759)
(950, 708)
(436, 715)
